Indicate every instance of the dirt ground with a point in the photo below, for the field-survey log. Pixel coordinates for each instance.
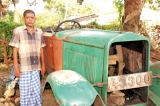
(48, 99)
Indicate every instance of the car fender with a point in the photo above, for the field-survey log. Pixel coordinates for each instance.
(71, 89)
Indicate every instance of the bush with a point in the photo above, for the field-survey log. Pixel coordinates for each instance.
(6, 31)
(3, 67)
(113, 26)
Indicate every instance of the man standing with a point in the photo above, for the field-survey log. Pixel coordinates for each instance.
(28, 41)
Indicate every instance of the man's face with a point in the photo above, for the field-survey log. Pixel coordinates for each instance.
(29, 19)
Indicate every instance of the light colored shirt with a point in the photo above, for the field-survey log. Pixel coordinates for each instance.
(29, 47)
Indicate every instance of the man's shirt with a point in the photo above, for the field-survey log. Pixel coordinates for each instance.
(29, 47)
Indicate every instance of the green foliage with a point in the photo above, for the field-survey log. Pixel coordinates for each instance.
(3, 67)
(75, 8)
(56, 10)
(9, 17)
(153, 4)
(120, 8)
(55, 6)
(6, 31)
(113, 26)
(6, 3)
(44, 21)
(68, 6)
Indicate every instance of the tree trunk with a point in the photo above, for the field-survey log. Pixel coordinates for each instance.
(5, 56)
(3, 9)
(0, 9)
(15, 13)
(132, 12)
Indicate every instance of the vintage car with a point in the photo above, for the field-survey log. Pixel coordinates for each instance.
(93, 67)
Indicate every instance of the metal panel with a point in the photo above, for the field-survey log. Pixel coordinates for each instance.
(48, 51)
(98, 38)
(53, 53)
(71, 89)
(86, 60)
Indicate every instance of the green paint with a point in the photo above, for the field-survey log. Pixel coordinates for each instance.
(72, 91)
(86, 51)
(154, 93)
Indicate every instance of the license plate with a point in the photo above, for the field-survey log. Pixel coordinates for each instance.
(129, 81)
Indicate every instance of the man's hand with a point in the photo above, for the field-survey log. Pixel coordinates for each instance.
(15, 61)
(17, 72)
(43, 70)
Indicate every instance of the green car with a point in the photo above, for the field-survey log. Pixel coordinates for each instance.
(93, 67)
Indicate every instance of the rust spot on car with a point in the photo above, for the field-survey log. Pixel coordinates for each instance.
(59, 102)
(156, 65)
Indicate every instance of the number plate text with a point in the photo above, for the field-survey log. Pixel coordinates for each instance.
(129, 81)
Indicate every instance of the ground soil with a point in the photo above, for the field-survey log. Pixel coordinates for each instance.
(48, 98)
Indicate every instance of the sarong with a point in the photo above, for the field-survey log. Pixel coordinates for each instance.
(30, 89)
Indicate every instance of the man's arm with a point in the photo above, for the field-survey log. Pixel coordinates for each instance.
(43, 69)
(15, 62)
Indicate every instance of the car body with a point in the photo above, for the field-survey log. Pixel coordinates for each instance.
(94, 67)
